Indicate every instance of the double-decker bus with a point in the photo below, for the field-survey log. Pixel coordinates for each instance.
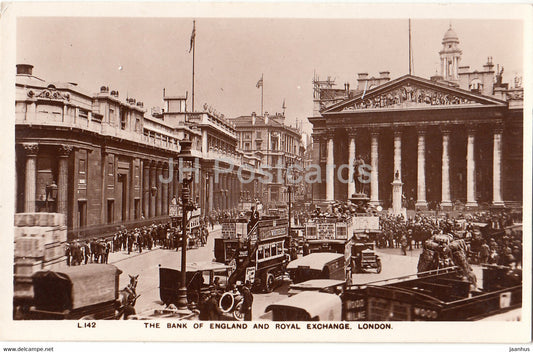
(257, 254)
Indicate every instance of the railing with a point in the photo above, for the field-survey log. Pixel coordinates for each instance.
(91, 125)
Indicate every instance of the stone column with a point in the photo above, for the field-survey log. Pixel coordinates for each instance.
(446, 202)
(159, 194)
(152, 186)
(146, 188)
(164, 189)
(496, 168)
(351, 160)
(374, 176)
(210, 195)
(62, 179)
(397, 155)
(171, 184)
(330, 170)
(421, 202)
(470, 170)
(31, 149)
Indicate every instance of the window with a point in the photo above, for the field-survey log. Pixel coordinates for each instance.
(137, 208)
(83, 114)
(122, 119)
(258, 135)
(247, 135)
(110, 210)
(260, 254)
(247, 145)
(81, 166)
(82, 213)
(476, 85)
(267, 251)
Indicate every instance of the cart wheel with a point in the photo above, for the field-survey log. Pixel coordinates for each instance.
(238, 314)
(269, 283)
(226, 302)
(378, 269)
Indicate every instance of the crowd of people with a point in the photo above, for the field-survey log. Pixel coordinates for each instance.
(489, 236)
(164, 236)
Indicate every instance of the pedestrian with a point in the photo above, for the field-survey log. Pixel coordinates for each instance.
(209, 308)
(403, 243)
(247, 301)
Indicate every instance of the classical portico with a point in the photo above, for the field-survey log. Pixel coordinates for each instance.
(443, 143)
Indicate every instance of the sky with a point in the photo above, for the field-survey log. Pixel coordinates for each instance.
(142, 56)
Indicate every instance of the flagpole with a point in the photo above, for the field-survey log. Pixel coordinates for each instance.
(410, 47)
(262, 85)
(193, 50)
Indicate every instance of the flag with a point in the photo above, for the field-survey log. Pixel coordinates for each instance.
(193, 35)
(283, 106)
(259, 83)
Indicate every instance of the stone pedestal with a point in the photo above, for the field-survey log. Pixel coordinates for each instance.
(397, 197)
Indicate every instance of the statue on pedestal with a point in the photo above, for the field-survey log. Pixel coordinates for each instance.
(357, 175)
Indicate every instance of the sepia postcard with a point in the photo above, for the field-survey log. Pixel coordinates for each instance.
(266, 172)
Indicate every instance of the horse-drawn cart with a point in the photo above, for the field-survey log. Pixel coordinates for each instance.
(79, 292)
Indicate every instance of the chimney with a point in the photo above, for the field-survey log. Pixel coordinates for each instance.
(266, 118)
(24, 69)
(384, 74)
(362, 78)
(253, 118)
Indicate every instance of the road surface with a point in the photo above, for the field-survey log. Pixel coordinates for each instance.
(146, 266)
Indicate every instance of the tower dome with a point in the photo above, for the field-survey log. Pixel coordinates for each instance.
(450, 36)
(450, 55)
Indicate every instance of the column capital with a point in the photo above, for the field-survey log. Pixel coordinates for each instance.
(445, 129)
(497, 128)
(352, 132)
(31, 149)
(471, 128)
(421, 130)
(397, 131)
(64, 150)
(317, 137)
(375, 131)
(330, 133)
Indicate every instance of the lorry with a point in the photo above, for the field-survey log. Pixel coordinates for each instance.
(437, 295)
(331, 234)
(40, 244)
(256, 252)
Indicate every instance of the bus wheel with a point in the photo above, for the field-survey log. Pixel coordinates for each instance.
(269, 283)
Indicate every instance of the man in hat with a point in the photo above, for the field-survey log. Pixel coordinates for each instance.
(248, 299)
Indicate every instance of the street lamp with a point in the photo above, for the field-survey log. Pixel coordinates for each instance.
(289, 190)
(185, 155)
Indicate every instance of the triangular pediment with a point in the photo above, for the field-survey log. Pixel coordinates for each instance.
(411, 92)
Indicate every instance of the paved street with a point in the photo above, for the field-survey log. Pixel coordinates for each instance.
(146, 266)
